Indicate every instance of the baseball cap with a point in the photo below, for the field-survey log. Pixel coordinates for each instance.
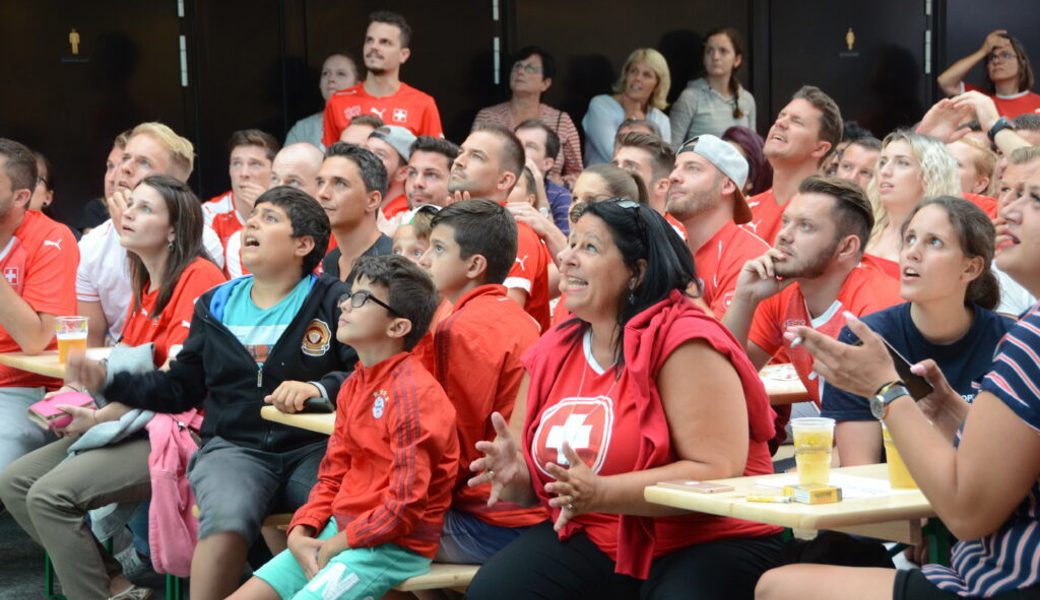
(729, 161)
(399, 138)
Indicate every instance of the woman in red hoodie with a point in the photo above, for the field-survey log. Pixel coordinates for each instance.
(611, 410)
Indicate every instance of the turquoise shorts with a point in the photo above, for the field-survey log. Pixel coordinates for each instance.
(354, 573)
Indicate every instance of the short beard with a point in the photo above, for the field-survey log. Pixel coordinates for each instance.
(810, 270)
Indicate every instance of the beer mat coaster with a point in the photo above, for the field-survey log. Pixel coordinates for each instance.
(784, 372)
(852, 486)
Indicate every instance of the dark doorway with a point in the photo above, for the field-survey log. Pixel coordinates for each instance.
(71, 106)
(868, 56)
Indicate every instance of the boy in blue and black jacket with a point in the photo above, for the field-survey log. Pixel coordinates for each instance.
(266, 337)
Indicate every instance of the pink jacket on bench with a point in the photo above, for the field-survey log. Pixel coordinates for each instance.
(172, 528)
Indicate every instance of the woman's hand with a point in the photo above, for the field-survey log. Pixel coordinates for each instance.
(994, 40)
(576, 488)
(860, 370)
(502, 464)
(290, 396)
(82, 420)
(81, 369)
(945, 121)
(305, 549)
(525, 213)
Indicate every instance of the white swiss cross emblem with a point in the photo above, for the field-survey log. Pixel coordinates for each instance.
(11, 275)
(584, 423)
(400, 115)
(352, 111)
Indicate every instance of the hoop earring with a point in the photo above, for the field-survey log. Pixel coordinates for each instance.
(170, 246)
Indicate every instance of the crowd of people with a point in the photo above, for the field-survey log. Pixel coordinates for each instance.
(519, 333)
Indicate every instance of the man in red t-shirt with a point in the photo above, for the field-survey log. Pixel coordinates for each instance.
(489, 163)
(252, 153)
(38, 258)
(705, 195)
(393, 146)
(811, 276)
(383, 94)
(805, 133)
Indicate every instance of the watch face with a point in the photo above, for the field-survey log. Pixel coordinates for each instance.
(877, 407)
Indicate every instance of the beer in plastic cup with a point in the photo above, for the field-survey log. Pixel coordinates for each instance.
(898, 476)
(72, 333)
(813, 439)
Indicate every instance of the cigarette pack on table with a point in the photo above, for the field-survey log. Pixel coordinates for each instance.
(813, 494)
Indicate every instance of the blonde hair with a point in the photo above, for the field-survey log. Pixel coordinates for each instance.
(938, 172)
(984, 160)
(657, 63)
(182, 152)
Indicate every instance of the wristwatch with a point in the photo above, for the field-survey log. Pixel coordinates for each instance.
(885, 396)
(1001, 124)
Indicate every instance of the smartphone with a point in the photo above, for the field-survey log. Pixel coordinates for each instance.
(318, 405)
(700, 487)
(917, 386)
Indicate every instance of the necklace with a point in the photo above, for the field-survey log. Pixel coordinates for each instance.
(589, 357)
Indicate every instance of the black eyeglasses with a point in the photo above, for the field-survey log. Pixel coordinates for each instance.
(360, 297)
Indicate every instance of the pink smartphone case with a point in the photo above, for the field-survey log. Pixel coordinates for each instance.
(47, 415)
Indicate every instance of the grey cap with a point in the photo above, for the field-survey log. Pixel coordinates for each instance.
(399, 138)
(729, 161)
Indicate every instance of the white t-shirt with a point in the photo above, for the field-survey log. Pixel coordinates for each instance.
(104, 273)
(1014, 299)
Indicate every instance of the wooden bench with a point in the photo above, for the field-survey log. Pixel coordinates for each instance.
(441, 576)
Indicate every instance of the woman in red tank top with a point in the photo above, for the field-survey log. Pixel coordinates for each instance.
(641, 386)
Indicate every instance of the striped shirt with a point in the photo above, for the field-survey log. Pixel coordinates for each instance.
(1008, 558)
(568, 160)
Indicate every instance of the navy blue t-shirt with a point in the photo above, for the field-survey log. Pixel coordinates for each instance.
(963, 362)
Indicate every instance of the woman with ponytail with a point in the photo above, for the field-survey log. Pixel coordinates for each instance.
(945, 277)
(714, 103)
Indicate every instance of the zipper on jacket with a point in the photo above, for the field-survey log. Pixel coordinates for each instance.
(260, 375)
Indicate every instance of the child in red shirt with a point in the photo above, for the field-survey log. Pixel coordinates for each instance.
(375, 517)
(476, 356)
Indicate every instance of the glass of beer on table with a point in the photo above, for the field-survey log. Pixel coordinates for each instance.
(898, 475)
(72, 333)
(813, 439)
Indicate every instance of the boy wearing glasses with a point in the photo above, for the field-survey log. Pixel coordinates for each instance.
(375, 517)
(476, 357)
(266, 337)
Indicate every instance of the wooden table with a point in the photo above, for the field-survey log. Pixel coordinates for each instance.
(318, 422)
(896, 517)
(46, 362)
(783, 385)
